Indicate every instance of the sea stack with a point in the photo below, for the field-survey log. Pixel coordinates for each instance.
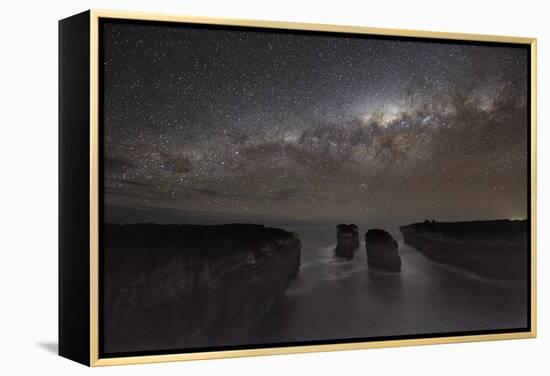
(347, 240)
(382, 251)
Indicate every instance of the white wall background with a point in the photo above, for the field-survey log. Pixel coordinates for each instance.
(28, 185)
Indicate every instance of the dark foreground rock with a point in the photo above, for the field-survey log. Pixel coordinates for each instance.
(183, 286)
(382, 251)
(497, 249)
(347, 240)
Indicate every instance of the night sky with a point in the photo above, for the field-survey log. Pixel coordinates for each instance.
(212, 125)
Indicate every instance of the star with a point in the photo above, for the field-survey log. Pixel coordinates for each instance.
(200, 122)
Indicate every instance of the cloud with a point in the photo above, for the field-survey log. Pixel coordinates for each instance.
(116, 165)
(278, 195)
(121, 181)
(450, 155)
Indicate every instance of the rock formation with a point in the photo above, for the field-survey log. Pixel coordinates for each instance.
(178, 286)
(496, 249)
(382, 251)
(347, 240)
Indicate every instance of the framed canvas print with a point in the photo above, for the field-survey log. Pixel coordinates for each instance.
(235, 188)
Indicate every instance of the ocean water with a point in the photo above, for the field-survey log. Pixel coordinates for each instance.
(332, 298)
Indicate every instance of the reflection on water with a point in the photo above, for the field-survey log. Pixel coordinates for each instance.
(333, 298)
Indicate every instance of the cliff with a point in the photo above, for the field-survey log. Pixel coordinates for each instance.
(497, 249)
(382, 251)
(182, 286)
(347, 237)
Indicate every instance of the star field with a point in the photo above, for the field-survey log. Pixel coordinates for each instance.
(239, 125)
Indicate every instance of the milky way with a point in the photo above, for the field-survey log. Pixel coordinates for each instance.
(236, 125)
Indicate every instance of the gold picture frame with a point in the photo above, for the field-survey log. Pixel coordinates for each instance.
(90, 257)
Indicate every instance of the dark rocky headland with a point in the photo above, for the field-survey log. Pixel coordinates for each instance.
(497, 249)
(182, 286)
(347, 237)
(382, 251)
